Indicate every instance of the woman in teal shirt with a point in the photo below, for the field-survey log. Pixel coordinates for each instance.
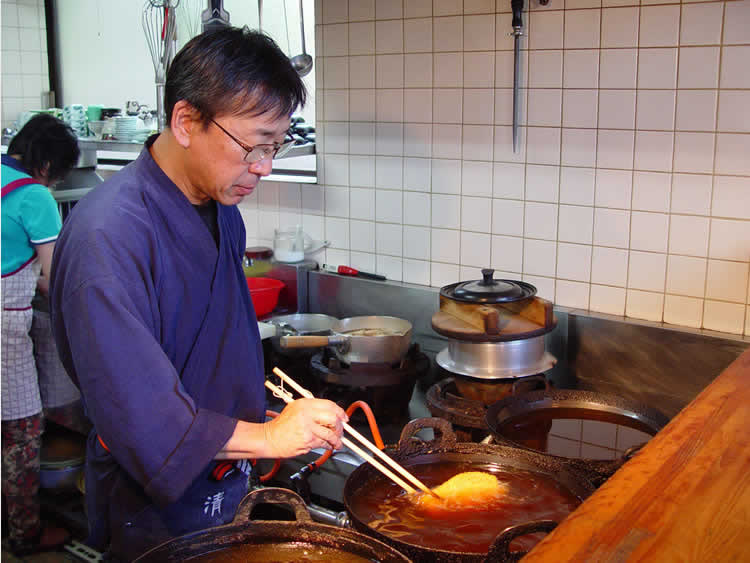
(41, 154)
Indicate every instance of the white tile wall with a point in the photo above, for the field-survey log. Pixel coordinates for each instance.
(631, 192)
(25, 76)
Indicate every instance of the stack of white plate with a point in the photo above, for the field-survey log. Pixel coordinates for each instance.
(75, 116)
(125, 127)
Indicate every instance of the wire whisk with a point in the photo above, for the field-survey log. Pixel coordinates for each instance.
(158, 21)
(189, 18)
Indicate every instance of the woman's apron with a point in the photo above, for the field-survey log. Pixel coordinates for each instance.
(20, 386)
(55, 385)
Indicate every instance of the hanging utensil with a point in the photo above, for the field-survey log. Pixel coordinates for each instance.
(302, 63)
(517, 24)
(188, 18)
(158, 20)
(215, 17)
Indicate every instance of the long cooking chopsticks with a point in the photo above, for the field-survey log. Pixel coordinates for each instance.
(364, 441)
(360, 452)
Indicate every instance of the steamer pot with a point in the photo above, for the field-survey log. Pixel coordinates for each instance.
(496, 360)
(495, 330)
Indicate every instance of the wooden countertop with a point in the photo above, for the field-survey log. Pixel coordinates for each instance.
(684, 497)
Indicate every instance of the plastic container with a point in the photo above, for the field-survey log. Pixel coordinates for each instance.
(257, 261)
(264, 293)
(289, 244)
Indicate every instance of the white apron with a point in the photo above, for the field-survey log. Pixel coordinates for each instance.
(20, 385)
(55, 385)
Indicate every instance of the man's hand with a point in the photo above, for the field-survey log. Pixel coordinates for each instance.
(303, 425)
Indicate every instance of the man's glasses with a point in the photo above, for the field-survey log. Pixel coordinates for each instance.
(259, 152)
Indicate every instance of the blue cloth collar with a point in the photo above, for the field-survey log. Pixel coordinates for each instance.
(8, 160)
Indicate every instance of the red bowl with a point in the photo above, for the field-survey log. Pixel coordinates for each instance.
(264, 293)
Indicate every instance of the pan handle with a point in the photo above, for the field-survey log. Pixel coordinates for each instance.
(303, 341)
(312, 341)
(445, 436)
(500, 548)
(271, 495)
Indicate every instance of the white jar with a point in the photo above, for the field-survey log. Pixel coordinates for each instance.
(289, 244)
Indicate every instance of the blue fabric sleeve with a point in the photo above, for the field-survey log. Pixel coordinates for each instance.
(41, 219)
(133, 393)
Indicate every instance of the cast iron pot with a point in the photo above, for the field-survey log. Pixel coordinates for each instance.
(242, 531)
(412, 451)
(579, 405)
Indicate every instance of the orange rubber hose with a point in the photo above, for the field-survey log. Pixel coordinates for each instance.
(373, 429)
(277, 464)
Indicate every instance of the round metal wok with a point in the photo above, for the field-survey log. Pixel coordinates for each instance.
(287, 537)
(412, 452)
(361, 340)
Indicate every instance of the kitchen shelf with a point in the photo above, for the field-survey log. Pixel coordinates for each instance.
(136, 146)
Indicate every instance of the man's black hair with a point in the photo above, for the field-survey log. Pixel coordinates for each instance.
(233, 71)
(46, 146)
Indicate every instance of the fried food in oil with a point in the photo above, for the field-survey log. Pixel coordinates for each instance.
(463, 491)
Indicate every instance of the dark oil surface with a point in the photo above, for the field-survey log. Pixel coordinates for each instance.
(575, 432)
(279, 553)
(387, 508)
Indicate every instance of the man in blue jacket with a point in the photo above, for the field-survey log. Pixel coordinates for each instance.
(151, 311)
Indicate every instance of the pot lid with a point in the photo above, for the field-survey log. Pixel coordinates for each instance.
(488, 290)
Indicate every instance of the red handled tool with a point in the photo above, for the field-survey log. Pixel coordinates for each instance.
(349, 271)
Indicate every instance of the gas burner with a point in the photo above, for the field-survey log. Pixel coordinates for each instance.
(467, 414)
(296, 365)
(386, 389)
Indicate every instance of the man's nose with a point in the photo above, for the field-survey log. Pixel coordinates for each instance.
(262, 167)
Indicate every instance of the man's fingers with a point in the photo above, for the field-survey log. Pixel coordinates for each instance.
(329, 438)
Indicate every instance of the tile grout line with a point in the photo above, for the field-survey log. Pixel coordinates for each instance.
(560, 161)
(671, 175)
(713, 169)
(632, 172)
(596, 150)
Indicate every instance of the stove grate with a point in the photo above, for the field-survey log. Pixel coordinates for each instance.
(83, 552)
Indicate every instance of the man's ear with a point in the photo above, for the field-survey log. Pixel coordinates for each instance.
(185, 122)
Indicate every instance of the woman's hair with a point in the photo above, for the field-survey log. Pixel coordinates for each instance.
(47, 146)
(233, 71)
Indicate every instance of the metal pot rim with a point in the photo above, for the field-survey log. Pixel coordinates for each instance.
(268, 531)
(496, 360)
